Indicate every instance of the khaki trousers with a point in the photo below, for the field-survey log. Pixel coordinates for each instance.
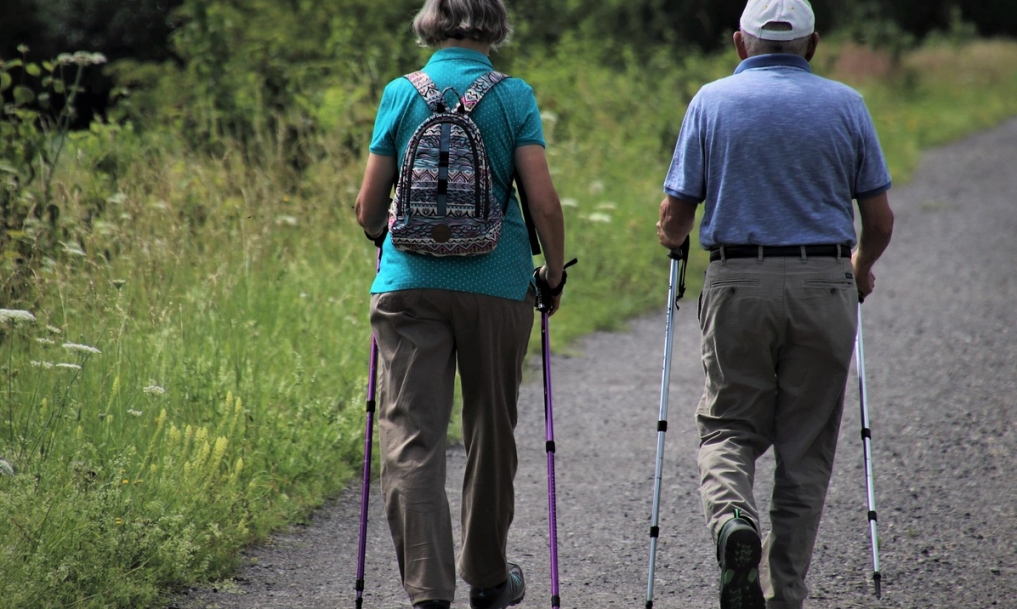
(778, 335)
(422, 335)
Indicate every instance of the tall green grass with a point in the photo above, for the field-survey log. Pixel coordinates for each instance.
(195, 373)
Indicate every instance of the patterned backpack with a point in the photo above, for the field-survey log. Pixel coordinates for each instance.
(443, 204)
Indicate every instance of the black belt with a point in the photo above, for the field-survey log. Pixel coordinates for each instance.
(781, 251)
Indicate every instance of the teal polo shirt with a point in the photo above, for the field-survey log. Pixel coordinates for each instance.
(508, 118)
(776, 154)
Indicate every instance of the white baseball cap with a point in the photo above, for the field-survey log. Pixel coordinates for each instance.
(797, 14)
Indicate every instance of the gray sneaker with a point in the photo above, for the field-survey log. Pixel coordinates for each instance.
(739, 552)
(508, 593)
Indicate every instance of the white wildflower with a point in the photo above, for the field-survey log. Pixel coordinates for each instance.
(596, 187)
(118, 283)
(607, 205)
(136, 413)
(154, 390)
(15, 315)
(81, 58)
(287, 221)
(569, 202)
(38, 364)
(549, 116)
(45, 341)
(74, 249)
(599, 217)
(68, 366)
(53, 330)
(81, 348)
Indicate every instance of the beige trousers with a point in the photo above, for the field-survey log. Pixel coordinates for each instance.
(422, 335)
(777, 343)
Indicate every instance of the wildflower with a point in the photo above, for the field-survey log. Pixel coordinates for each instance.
(15, 315)
(154, 390)
(118, 283)
(596, 187)
(599, 217)
(119, 521)
(80, 347)
(607, 205)
(53, 329)
(68, 366)
(81, 58)
(569, 202)
(125, 481)
(6, 469)
(219, 451)
(45, 341)
(136, 413)
(74, 248)
(46, 365)
(287, 221)
(549, 116)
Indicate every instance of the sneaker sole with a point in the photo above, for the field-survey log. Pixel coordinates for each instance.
(739, 583)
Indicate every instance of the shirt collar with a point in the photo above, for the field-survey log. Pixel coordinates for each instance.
(460, 54)
(774, 60)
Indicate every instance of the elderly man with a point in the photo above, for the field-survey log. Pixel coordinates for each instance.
(776, 155)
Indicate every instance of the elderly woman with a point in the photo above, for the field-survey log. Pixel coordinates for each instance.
(430, 314)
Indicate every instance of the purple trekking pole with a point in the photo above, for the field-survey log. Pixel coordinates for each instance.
(368, 444)
(545, 296)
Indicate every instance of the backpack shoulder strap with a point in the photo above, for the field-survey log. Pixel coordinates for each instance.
(426, 87)
(476, 92)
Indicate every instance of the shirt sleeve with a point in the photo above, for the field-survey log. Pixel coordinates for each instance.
(531, 129)
(686, 178)
(872, 177)
(383, 140)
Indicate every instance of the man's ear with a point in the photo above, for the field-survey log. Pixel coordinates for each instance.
(739, 43)
(813, 43)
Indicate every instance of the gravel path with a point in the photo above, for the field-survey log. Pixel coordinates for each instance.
(941, 363)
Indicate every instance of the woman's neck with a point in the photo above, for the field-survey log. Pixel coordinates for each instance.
(467, 43)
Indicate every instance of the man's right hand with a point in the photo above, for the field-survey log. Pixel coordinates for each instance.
(865, 279)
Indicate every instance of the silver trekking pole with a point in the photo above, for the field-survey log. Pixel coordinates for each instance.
(870, 491)
(676, 289)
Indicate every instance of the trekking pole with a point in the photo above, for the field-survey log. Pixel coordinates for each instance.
(676, 289)
(368, 443)
(870, 491)
(544, 299)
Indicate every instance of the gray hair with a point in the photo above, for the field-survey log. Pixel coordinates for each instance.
(480, 20)
(757, 46)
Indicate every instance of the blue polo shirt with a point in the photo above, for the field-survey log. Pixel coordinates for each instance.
(508, 118)
(777, 154)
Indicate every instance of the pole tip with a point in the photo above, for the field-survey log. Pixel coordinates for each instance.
(876, 579)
